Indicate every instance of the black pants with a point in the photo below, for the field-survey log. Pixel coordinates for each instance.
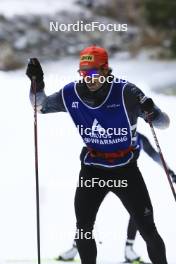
(132, 229)
(134, 197)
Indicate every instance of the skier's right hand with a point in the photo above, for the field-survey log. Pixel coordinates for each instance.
(34, 69)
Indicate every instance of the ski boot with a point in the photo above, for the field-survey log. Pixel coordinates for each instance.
(69, 255)
(130, 255)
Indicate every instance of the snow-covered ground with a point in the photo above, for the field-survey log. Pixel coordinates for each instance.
(59, 167)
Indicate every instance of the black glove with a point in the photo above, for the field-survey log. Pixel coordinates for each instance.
(146, 104)
(34, 69)
(147, 107)
(173, 176)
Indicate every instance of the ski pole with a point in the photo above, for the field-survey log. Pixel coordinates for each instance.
(161, 156)
(36, 169)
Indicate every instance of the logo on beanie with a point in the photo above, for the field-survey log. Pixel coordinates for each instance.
(87, 58)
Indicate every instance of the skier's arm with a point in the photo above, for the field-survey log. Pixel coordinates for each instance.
(48, 104)
(149, 149)
(141, 104)
(45, 104)
(152, 153)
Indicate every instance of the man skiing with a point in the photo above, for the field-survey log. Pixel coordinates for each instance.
(107, 114)
(130, 254)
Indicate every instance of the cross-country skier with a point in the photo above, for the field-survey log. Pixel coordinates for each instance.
(105, 113)
(130, 254)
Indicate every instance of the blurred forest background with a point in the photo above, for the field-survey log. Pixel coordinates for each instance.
(151, 27)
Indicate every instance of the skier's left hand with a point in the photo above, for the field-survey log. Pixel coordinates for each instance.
(173, 176)
(147, 107)
(146, 104)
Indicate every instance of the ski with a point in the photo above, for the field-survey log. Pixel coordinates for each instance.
(55, 261)
(64, 261)
(45, 261)
(136, 262)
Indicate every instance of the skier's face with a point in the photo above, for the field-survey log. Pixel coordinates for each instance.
(93, 77)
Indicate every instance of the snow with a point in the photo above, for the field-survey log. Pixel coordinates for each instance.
(10, 8)
(59, 168)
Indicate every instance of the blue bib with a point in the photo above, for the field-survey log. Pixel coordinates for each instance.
(104, 128)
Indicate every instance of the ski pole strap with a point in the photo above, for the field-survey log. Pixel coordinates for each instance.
(110, 156)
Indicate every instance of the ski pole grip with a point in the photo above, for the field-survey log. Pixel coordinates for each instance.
(32, 61)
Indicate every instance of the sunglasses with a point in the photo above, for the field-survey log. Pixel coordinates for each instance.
(89, 73)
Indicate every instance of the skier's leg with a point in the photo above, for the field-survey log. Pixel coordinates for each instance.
(136, 199)
(131, 229)
(87, 202)
(130, 254)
